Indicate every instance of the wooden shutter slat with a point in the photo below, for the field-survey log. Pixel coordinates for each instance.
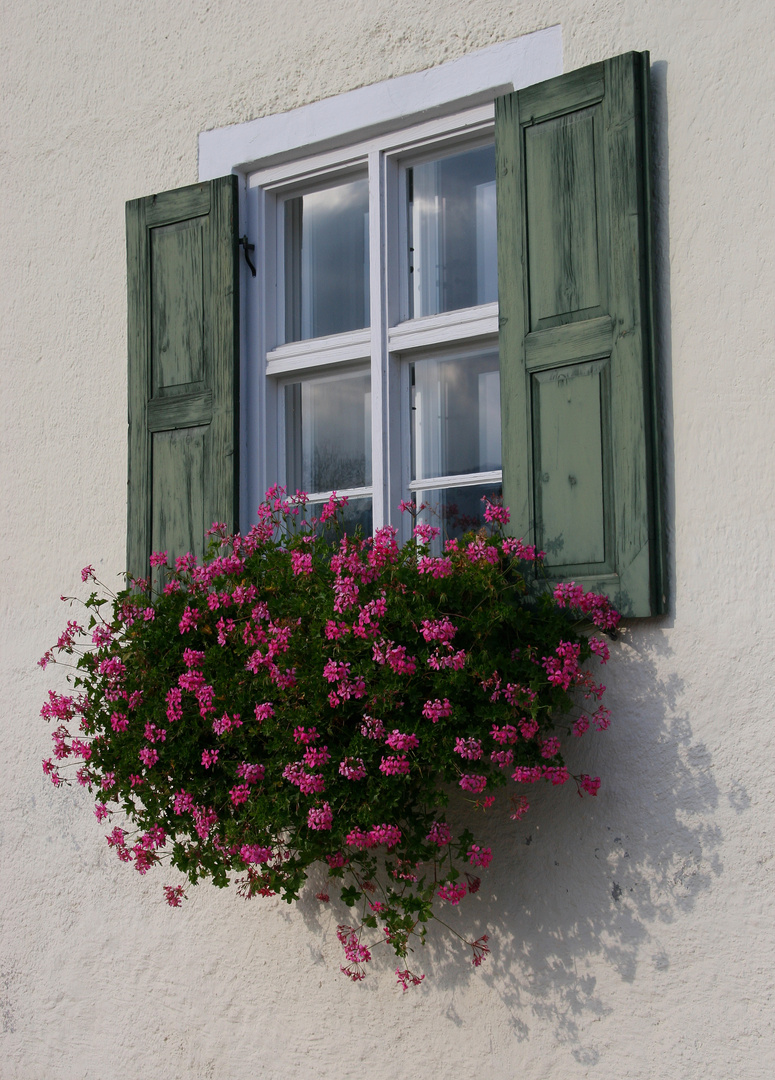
(577, 365)
(183, 334)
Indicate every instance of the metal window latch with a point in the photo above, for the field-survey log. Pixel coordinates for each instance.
(243, 242)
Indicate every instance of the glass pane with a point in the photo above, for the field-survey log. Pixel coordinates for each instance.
(456, 510)
(356, 515)
(328, 433)
(456, 415)
(327, 261)
(453, 256)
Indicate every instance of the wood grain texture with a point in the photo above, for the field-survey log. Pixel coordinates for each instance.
(183, 333)
(579, 445)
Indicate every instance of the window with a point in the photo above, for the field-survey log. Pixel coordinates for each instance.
(375, 341)
(371, 354)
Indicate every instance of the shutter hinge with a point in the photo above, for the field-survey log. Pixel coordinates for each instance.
(243, 242)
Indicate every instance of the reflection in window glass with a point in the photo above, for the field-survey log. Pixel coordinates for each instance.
(355, 517)
(328, 433)
(456, 510)
(327, 261)
(456, 418)
(453, 261)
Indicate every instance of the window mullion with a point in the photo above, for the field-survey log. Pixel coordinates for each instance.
(380, 442)
(257, 398)
(394, 419)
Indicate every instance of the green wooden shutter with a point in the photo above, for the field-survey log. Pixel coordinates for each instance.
(580, 469)
(182, 280)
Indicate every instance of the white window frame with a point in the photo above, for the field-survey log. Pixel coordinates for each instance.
(371, 128)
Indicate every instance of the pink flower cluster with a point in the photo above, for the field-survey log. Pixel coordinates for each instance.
(184, 803)
(320, 818)
(371, 728)
(595, 607)
(527, 774)
(251, 774)
(353, 950)
(174, 704)
(452, 893)
(368, 618)
(394, 766)
(307, 783)
(336, 630)
(440, 834)
(481, 949)
(352, 768)
(479, 856)
(563, 668)
(301, 562)
(518, 550)
(550, 747)
(264, 712)
(425, 533)
(479, 550)
(346, 687)
(494, 513)
(305, 737)
(395, 656)
(316, 756)
(406, 979)
(226, 724)
(149, 756)
(436, 568)
(590, 784)
(396, 740)
(447, 658)
(436, 710)
(255, 853)
(189, 620)
(558, 774)
(438, 630)
(469, 748)
(600, 649)
(347, 599)
(471, 782)
(239, 794)
(389, 835)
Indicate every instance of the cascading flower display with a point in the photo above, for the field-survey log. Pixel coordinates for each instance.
(301, 697)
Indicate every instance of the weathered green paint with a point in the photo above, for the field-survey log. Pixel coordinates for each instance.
(570, 483)
(562, 224)
(580, 469)
(182, 281)
(177, 302)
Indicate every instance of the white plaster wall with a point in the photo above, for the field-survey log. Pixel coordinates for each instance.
(633, 935)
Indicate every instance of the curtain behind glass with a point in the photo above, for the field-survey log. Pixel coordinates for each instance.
(452, 232)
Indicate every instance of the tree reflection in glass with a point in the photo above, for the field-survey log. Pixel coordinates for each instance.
(328, 433)
(326, 245)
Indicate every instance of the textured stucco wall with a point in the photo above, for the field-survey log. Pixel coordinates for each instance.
(633, 933)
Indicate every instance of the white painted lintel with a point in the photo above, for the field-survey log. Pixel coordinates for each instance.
(357, 114)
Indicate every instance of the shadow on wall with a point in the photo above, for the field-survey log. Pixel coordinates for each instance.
(591, 885)
(579, 886)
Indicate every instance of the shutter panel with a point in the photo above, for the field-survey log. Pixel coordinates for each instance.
(182, 279)
(580, 470)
